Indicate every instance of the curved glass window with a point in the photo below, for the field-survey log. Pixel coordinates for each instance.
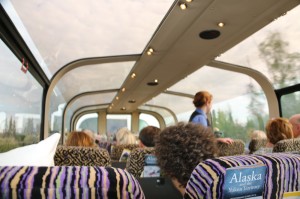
(90, 29)
(273, 50)
(92, 78)
(20, 103)
(116, 122)
(164, 112)
(88, 100)
(238, 109)
(88, 121)
(180, 105)
(290, 104)
(147, 120)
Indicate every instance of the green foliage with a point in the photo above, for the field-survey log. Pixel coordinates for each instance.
(8, 143)
(282, 65)
(29, 127)
(30, 139)
(283, 70)
(11, 142)
(223, 120)
(290, 104)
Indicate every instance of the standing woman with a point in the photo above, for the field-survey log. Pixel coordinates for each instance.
(203, 104)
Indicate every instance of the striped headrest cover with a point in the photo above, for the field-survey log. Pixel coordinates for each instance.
(283, 175)
(68, 182)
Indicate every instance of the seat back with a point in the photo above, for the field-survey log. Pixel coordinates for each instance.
(68, 182)
(236, 148)
(105, 145)
(256, 144)
(116, 150)
(136, 162)
(282, 175)
(81, 156)
(288, 145)
(159, 188)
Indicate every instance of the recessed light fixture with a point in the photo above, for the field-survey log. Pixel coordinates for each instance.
(133, 75)
(117, 98)
(123, 109)
(153, 83)
(123, 89)
(150, 51)
(132, 101)
(221, 24)
(189, 1)
(183, 6)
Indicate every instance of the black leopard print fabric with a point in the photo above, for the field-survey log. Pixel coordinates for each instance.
(136, 162)
(116, 150)
(288, 145)
(81, 156)
(236, 148)
(256, 144)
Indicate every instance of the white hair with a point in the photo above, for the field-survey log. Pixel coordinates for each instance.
(124, 136)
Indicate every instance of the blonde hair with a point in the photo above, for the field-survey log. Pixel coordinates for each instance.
(258, 134)
(79, 138)
(124, 136)
(279, 129)
(201, 98)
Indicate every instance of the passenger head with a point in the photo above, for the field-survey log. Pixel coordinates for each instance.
(203, 98)
(124, 136)
(79, 138)
(147, 136)
(258, 134)
(181, 147)
(278, 129)
(89, 133)
(295, 121)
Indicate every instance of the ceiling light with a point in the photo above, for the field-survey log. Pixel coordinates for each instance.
(133, 75)
(183, 6)
(132, 101)
(154, 83)
(150, 51)
(123, 109)
(221, 24)
(123, 89)
(117, 98)
(189, 1)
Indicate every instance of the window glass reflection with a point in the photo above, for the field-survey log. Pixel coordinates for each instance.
(20, 103)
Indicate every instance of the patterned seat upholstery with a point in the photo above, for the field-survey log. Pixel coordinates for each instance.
(282, 175)
(105, 145)
(116, 150)
(256, 144)
(236, 148)
(136, 162)
(67, 182)
(81, 156)
(288, 145)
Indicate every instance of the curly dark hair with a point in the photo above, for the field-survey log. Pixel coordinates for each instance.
(181, 147)
(148, 134)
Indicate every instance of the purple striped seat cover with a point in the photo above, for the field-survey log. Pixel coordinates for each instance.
(68, 182)
(283, 175)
